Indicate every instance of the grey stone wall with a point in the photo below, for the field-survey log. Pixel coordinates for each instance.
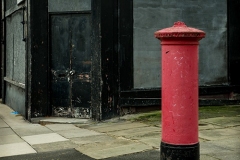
(15, 48)
(10, 3)
(153, 15)
(15, 58)
(15, 98)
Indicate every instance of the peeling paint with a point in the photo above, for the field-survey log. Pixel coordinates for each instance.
(77, 112)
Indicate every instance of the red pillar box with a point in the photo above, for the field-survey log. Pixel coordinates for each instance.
(180, 91)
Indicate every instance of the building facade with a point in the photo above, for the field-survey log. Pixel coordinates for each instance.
(91, 58)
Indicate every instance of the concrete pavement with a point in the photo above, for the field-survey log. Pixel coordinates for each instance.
(113, 139)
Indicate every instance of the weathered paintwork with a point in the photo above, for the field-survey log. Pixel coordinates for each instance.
(152, 15)
(70, 58)
(180, 83)
(15, 62)
(120, 74)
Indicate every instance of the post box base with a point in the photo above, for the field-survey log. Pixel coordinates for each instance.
(179, 152)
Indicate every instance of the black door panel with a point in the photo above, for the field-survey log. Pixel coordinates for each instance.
(71, 65)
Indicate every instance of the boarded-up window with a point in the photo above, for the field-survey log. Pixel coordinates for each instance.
(15, 48)
(209, 16)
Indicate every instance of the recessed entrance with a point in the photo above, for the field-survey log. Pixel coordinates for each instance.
(70, 65)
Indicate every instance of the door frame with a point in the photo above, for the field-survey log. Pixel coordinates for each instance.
(50, 14)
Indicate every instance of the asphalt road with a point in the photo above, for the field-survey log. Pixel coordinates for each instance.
(72, 154)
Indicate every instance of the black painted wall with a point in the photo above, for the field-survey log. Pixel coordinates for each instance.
(96, 61)
(37, 58)
(107, 54)
(234, 41)
(1, 46)
(116, 53)
(2, 50)
(125, 43)
(105, 59)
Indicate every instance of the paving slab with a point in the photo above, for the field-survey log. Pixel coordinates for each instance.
(231, 143)
(207, 157)
(44, 138)
(202, 139)
(97, 125)
(31, 129)
(6, 131)
(105, 145)
(92, 139)
(118, 127)
(47, 147)
(13, 120)
(61, 120)
(218, 134)
(227, 155)
(209, 148)
(69, 154)
(236, 128)
(117, 151)
(145, 155)
(207, 126)
(15, 149)
(61, 127)
(7, 139)
(78, 133)
(3, 124)
(135, 130)
(223, 121)
(25, 125)
(154, 142)
(142, 135)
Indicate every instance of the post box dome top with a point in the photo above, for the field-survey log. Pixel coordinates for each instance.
(180, 30)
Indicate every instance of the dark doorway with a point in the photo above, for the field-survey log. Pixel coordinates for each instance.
(70, 64)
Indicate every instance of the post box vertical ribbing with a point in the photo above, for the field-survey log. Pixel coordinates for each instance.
(179, 91)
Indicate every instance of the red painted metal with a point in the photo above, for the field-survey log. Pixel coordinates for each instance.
(180, 83)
